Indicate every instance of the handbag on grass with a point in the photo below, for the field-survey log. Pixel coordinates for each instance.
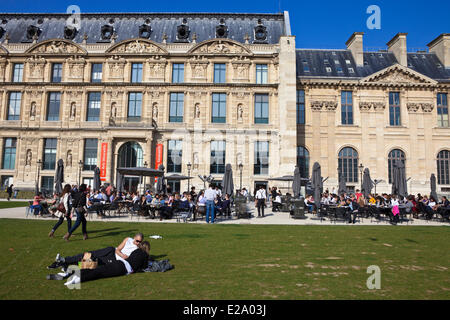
(87, 262)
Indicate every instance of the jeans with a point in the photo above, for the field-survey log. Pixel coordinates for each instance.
(34, 207)
(209, 211)
(61, 220)
(81, 219)
(103, 256)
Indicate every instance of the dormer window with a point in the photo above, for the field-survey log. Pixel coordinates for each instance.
(328, 69)
(221, 29)
(350, 70)
(107, 32)
(183, 32)
(32, 32)
(260, 33)
(347, 61)
(144, 31)
(70, 32)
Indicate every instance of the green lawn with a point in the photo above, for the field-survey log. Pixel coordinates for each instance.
(12, 204)
(237, 261)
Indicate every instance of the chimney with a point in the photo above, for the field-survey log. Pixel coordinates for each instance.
(398, 47)
(441, 47)
(355, 45)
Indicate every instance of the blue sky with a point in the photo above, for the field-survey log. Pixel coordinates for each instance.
(315, 23)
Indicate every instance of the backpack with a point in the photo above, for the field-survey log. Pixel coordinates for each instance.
(159, 266)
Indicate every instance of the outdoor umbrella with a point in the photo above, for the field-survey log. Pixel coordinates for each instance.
(317, 183)
(297, 184)
(367, 183)
(177, 177)
(97, 182)
(59, 177)
(160, 184)
(342, 188)
(399, 179)
(433, 187)
(227, 182)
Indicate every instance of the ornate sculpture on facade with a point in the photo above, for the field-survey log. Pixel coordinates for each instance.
(69, 158)
(32, 110)
(197, 111)
(73, 110)
(29, 158)
(240, 112)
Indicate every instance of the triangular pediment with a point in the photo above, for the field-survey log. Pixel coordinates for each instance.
(137, 46)
(56, 46)
(220, 47)
(398, 74)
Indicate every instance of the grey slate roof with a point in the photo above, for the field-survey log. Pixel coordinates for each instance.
(427, 64)
(126, 25)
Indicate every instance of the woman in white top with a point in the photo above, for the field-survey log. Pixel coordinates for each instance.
(66, 199)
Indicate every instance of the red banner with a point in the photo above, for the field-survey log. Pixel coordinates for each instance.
(158, 156)
(103, 161)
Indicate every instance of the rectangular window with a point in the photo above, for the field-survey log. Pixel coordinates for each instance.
(17, 72)
(442, 110)
(261, 165)
(53, 105)
(96, 72)
(47, 184)
(219, 72)
(217, 165)
(346, 107)
(300, 107)
(134, 106)
(56, 72)
(177, 72)
(261, 73)
(219, 107)
(90, 154)
(261, 108)
(136, 72)
(394, 109)
(174, 155)
(176, 107)
(9, 153)
(49, 153)
(14, 105)
(93, 110)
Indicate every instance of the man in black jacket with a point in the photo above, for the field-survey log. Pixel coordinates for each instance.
(79, 203)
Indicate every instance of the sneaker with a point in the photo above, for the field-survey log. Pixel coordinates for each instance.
(54, 265)
(54, 277)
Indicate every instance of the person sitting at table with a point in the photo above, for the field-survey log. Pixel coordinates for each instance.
(361, 201)
(224, 208)
(309, 202)
(148, 197)
(36, 206)
(394, 214)
(276, 206)
(372, 200)
(155, 200)
(351, 211)
(430, 208)
(200, 204)
(166, 210)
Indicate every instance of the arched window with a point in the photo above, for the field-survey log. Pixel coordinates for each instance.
(348, 164)
(130, 155)
(394, 155)
(303, 161)
(443, 167)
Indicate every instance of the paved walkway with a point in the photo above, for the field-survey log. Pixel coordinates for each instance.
(277, 218)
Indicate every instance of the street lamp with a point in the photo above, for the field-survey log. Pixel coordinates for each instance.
(189, 166)
(241, 166)
(361, 168)
(145, 165)
(80, 166)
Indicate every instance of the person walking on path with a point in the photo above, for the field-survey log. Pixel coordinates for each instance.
(9, 191)
(63, 210)
(210, 196)
(79, 203)
(261, 200)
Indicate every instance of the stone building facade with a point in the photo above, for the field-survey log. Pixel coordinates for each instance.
(366, 109)
(147, 89)
(194, 92)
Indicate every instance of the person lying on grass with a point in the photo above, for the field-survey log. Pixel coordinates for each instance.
(103, 256)
(136, 262)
